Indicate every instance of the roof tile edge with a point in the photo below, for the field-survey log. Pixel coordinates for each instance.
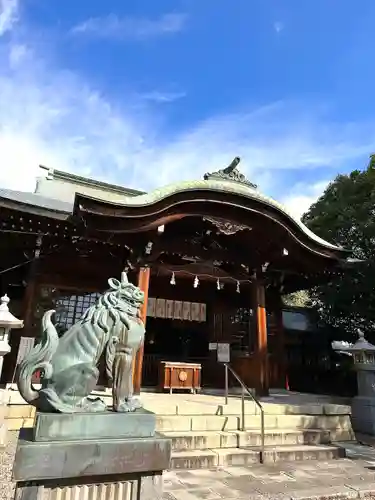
(78, 179)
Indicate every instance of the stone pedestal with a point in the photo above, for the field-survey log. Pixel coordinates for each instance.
(3, 425)
(363, 405)
(118, 457)
(3, 402)
(363, 415)
(4, 349)
(127, 488)
(7, 322)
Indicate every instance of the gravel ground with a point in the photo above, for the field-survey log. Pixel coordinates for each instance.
(6, 464)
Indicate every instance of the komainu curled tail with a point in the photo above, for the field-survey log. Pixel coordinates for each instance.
(38, 359)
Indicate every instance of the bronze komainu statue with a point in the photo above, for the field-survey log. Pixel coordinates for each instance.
(112, 327)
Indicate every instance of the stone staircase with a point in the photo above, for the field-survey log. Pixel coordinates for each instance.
(209, 436)
(221, 454)
(205, 433)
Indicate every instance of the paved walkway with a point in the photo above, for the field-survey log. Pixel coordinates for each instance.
(336, 480)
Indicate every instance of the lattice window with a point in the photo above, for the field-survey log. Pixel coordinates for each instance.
(242, 315)
(70, 308)
(243, 338)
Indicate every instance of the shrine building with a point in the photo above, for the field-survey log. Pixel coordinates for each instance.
(213, 256)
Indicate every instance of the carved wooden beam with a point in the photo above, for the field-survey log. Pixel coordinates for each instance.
(183, 247)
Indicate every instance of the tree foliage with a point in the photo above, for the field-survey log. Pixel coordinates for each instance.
(300, 298)
(345, 215)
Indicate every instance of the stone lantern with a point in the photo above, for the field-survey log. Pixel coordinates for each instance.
(7, 323)
(363, 405)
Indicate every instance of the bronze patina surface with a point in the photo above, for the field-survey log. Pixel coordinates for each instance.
(112, 328)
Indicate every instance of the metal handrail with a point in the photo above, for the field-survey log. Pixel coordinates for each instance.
(254, 398)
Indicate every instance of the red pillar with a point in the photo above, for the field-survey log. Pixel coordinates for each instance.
(261, 333)
(143, 284)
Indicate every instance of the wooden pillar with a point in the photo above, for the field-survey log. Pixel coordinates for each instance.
(262, 388)
(28, 312)
(143, 284)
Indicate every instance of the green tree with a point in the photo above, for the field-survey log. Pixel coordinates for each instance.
(297, 299)
(345, 215)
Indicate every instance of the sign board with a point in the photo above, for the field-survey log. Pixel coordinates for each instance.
(212, 346)
(26, 344)
(223, 353)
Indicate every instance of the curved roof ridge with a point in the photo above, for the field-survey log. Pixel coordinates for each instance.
(217, 184)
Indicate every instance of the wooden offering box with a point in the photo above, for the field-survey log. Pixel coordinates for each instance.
(179, 376)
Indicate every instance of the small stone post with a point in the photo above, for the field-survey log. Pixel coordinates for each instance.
(7, 323)
(363, 405)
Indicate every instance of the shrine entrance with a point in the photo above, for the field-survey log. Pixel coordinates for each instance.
(220, 246)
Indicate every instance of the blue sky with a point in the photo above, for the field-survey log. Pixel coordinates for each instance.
(147, 92)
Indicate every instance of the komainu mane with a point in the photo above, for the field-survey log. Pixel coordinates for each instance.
(112, 327)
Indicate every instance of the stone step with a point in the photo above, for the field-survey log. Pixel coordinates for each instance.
(203, 440)
(168, 423)
(226, 457)
(15, 424)
(234, 408)
(339, 426)
(196, 423)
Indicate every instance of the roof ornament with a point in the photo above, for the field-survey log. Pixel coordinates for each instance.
(225, 226)
(230, 173)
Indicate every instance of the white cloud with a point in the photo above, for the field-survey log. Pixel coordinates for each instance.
(162, 97)
(113, 27)
(51, 116)
(17, 54)
(302, 196)
(8, 15)
(268, 140)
